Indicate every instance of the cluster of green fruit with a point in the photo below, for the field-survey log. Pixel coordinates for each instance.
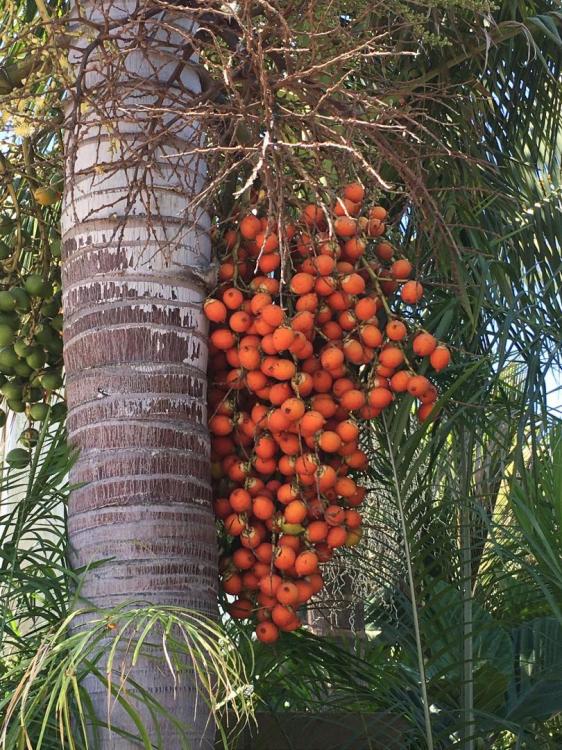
(30, 334)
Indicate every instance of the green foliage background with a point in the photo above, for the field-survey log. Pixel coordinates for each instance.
(467, 647)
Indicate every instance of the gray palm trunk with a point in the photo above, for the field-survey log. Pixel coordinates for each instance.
(135, 346)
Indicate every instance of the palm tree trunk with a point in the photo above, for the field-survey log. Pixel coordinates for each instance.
(135, 347)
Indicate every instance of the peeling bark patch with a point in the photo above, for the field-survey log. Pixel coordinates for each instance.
(132, 346)
(124, 381)
(68, 248)
(139, 435)
(121, 492)
(178, 408)
(108, 464)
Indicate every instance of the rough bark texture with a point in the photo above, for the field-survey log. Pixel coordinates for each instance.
(135, 341)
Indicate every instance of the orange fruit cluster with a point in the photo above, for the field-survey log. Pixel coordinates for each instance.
(303, 346)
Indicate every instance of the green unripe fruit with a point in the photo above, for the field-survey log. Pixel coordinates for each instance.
(7, 334)
(22, 369)
(29, 437)
(54, 346)
(33, 395)
(23, 303)
(48, 290)
(7, 302)
(18, 458)
(36, 358)
(55, 248)
(12, 391)
(5, 251)
(35, 285)
(6, 225)
(17, 406)
(58, 411)
(50, 308)
(51, 381)
(22, 349)
(44, 334)
(8, 359)
(3, 417)
(38, 412)
(56, 323)
(11, 319)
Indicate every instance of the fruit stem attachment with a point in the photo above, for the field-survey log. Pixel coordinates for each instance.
(377, 286)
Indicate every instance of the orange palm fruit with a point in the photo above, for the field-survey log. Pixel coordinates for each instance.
(380, 398)
(331, 358)
(401, 269)
(268, 263)
(267, 632)
(287, 593)
(337, 537)
(326, 477)
(306, 563)
(347, 430)
(396, 330)
(282, 338)
(240, 500)
(240, 321)
(399, 381)
(295, 511)
(232, 583)
(272, 314)
(334, 515)
(345, 226)
(427, 411)
(234, 524)
(440, 358)
(283, 557)
(317, 531)
(305, 590)
(250, 226)
(424, 344)
(270, 583)
(353, 351)
(243, 558)
(303, 321)
(345, 207)
(223, 339)
(311, 422)
(354, 191)
(366, 308)
(329, 441)
(301, 283)
(263, 507)
(313, 216)
(353, 284)
(307, 302)
(345, 487)
(384, 251)
(215, 310)
(282, 616)
(306, 465)
(412, 292)
(240, 609)
(391, 356)
(418, 385)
